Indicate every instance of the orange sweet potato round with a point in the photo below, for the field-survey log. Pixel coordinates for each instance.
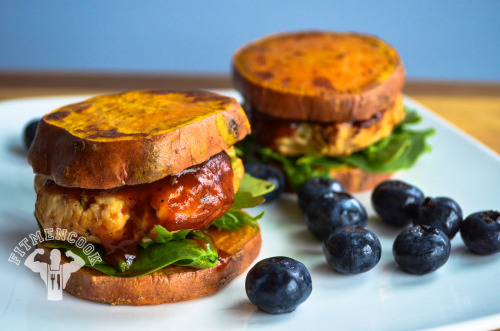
(318, 75)
(134, 137)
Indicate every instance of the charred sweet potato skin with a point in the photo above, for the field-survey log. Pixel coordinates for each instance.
(134, 137)
(318, 75)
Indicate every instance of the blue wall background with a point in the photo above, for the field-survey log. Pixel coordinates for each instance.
(446, 39)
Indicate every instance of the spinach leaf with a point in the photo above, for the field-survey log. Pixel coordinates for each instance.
(196, 250)
(255, 186)
(397, 152)
(158, 234)
(234, 219)
(250, 192)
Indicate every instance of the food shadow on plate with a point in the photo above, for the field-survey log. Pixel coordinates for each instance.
(401, 278)
(16, 149)
(291, 217)
(241, 312)
(11, 236)
(470, 259)
(311, 244)
(383, 230)
(288, 209)
(327, 279)
(244, 312)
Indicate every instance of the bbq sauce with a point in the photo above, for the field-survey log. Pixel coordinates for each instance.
(190, 199)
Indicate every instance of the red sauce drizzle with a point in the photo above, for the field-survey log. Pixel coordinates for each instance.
(190, 199)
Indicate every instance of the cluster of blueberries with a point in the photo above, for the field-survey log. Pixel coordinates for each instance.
(425, 246)
(339, 220)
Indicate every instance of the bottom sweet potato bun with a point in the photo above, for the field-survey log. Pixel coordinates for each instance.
(237, 250)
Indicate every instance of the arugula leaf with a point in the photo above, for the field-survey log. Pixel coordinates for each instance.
(255, 186)
(159, 234)
(234, 219)
(246, 200)
(250, 192)
(196, 250)
(411, 117)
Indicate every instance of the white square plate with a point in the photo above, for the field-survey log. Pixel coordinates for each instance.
(463, 294)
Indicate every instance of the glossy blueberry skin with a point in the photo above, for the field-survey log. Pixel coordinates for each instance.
(352, 250)
(314, 187)
(480, 232)
(269, 173)
(421, 249)
(29, 133)
(441, 213)
(278, 285)
(397, 202)
(331, 210)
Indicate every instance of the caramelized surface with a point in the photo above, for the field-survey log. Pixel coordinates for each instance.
(119, 218)
(317, 62)
(136, 113)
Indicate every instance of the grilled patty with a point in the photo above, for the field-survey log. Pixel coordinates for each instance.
(291, 137)
(187, 200)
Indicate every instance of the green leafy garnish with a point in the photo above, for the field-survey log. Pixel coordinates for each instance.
(249, 195)
(399, 151)
(234, 219)
(250, 192)
(255, 186)
(161, 235)
(196, 250)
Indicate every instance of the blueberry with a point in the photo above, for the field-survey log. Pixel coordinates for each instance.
(397, 202)
(421, 249)
(331, 210)
(441, 213)
(352, 250)
(269, 173)
(29, 133)
(480, 232)
(278, 284)
(316, 186)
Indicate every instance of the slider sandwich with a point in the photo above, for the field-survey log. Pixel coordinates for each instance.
(327, 104)
(150, 179)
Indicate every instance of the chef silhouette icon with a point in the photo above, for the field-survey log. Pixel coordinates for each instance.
(56, 274)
